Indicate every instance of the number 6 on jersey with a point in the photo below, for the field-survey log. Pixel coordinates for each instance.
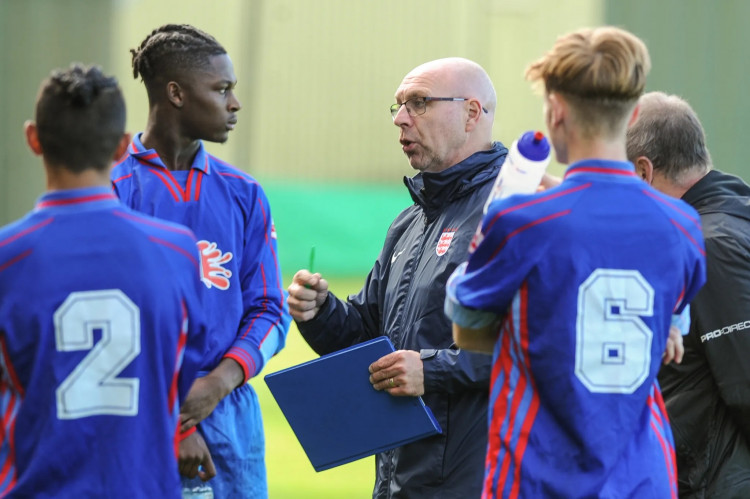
(613, 344)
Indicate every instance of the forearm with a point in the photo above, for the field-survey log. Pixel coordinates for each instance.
(480, 340)
(225, 377)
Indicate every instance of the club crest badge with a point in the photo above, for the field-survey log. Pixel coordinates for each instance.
(445, 241)
(213, 273)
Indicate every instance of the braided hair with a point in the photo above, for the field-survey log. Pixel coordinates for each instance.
(170, 49)
(80, 118)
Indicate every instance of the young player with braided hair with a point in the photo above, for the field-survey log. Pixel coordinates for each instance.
(167, 173)
(101, 325)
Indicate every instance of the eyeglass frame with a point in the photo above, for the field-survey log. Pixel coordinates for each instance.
(396, 107)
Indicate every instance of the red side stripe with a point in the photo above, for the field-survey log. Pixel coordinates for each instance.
(122, 178)
(186, 194)
(594, 169)
(151, 221)
(166, 182)
(178, 358)
(15, 259)
(16, 383)
(175, 248)
(264, 303)
(26, 231)
(198, 186)
(534, 201)
(675, 207)
(85, 199)
(528, 226)
(225, 174)
(531, 412)
(687, 234)
(503, 364)
(679, 299)
(669, 463)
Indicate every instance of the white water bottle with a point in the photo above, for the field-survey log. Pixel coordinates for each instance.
(523, 168)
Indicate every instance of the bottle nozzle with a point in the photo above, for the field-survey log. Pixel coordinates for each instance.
(538, 136)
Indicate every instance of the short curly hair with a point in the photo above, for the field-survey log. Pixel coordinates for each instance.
(80, 118)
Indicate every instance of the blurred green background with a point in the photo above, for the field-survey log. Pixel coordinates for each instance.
(315, 80)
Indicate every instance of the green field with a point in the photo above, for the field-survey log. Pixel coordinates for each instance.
(290, 474)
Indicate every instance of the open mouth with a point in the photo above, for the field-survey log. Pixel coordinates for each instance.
(407, 145)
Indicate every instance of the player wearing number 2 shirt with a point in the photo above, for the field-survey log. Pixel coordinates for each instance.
(101, 324)
(581, 281)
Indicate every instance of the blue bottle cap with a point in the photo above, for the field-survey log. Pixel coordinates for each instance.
(534, 146)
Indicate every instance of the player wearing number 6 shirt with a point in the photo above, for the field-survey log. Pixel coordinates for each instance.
(573, 290)
(101, 325)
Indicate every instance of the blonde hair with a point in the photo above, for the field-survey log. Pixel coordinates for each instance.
(600, 71)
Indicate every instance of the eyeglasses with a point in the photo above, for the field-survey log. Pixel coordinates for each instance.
(418, 105)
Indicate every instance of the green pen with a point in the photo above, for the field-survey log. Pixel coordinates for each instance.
(312, 262)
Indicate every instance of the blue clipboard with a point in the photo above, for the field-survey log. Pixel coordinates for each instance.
(337, 415)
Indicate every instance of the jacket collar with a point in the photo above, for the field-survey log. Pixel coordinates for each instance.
(720, 192)
(432, 191)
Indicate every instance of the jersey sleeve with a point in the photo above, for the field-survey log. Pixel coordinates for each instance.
(722, 322)
(502, 260)
(265, 320)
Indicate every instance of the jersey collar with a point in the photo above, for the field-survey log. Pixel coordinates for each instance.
(90, 198)
(601, 167)
(150, 156)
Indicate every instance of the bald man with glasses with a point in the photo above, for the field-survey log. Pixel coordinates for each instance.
(444, 113)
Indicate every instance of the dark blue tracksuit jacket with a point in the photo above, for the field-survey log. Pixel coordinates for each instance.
(403, 298)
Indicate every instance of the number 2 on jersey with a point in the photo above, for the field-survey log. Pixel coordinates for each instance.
(613, 344)
(93, 388)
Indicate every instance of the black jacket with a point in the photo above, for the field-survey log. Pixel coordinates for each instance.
(403, 298)
(708, 395)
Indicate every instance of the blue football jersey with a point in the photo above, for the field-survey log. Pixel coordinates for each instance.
(101, 335)
(586, 277)
(231, 218)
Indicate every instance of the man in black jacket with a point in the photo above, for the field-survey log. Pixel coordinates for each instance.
(708, 394)
(444, 111)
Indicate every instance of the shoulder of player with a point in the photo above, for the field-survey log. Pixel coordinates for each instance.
(122, 169)
(676, 209)
(22, 230)
(157, 228)
(233, 176)
(522, 209)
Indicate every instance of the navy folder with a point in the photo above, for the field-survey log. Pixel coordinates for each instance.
(337, 415)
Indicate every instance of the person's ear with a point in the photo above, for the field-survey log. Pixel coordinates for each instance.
(122, 147)
(32, 137)
(557, 110)
(474, 114)
(644, 169)
(175, 94)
